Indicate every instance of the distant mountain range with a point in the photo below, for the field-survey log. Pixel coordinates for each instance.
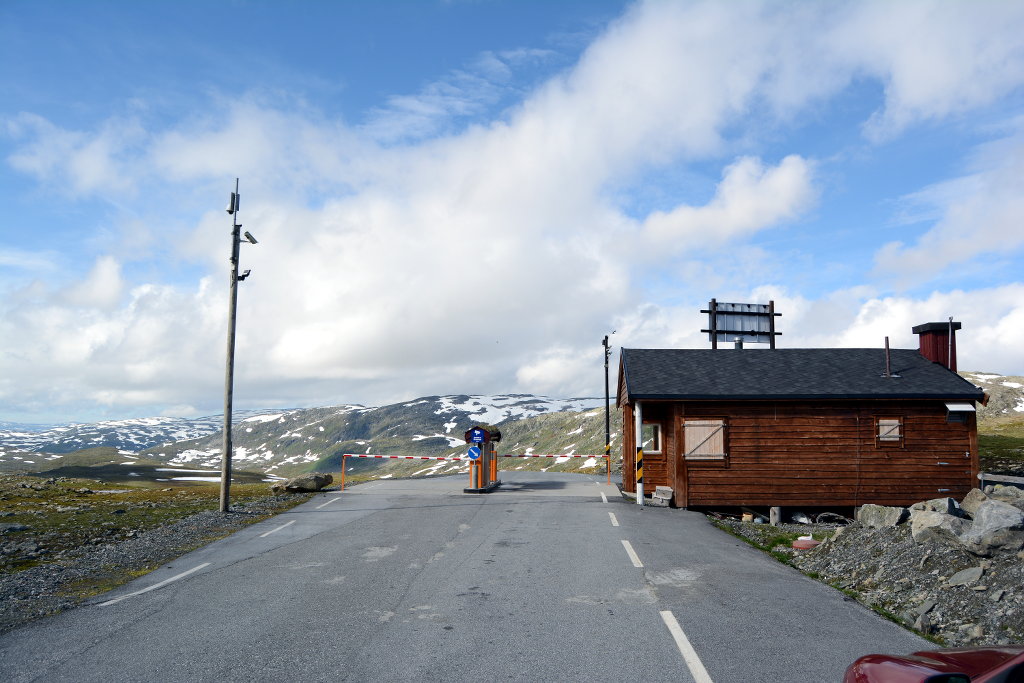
(126, 435)
(287, 442)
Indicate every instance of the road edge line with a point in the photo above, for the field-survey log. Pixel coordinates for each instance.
(154, 586)
(278, 528)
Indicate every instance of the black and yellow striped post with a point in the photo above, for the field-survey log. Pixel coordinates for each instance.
(640, 475)
(638, 441)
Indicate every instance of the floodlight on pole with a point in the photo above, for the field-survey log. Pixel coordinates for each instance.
(229, 372)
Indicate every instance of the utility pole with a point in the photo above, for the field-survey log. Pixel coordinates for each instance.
(607, 408)
(229, 373)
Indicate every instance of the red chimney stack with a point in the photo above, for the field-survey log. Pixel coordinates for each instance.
(937, 342)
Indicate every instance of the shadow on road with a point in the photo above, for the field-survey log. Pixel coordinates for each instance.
(533, 486)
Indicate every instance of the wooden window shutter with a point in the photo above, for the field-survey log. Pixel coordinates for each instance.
(704, 439)
(890, 429)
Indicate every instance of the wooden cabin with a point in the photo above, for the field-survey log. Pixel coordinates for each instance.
(801, 427)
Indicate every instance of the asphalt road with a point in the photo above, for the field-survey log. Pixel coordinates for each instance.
(415, 580)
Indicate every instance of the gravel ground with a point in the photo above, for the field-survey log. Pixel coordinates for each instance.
(53, 587)
(916, 585)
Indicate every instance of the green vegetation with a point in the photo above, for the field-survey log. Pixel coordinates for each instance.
(765, 538)
(45, 519)
(1001, 445)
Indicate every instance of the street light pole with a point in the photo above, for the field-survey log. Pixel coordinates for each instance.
(229, 373)
(607, 409)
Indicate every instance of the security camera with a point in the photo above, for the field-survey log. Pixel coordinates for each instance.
(248, 236)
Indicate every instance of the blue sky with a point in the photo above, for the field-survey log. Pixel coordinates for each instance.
(465, 197)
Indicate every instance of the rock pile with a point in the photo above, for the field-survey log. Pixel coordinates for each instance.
(951, 570)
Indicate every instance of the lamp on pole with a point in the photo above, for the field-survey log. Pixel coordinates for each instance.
(229, 374)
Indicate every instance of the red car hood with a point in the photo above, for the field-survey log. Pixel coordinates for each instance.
(918, 666)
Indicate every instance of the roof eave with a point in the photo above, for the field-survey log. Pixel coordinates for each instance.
(802, 397)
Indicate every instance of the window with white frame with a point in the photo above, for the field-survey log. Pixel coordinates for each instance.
(704, 439)
(650, 437)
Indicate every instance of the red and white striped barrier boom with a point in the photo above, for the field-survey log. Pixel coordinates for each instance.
(553, 455)
(607, 459)
(404, 457)
(393, 457)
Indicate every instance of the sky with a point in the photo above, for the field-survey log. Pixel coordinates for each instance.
(466, 196)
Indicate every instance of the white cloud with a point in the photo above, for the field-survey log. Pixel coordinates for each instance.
(560, 371)
(750, 197)
(936, 58)
(11, 257)
(977, 214)
(75, 162)
(487, 254)
(102, 287)
(992, 319)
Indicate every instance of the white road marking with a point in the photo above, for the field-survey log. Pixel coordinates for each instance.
(604, 498)
(155, 585)
(697, 670)
(278, 528)
(323, 505)
(632, 554)
(615, 522)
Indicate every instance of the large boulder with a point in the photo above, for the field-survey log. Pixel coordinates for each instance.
(303, 484)
(972, 500)
(948, 506)
(997, 526)
(1009, 494)
(929, 526)
(881, 516)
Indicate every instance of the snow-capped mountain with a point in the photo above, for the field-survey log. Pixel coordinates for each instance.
(287, 441)
(1005, 394)
(316, 438)
(126, 435)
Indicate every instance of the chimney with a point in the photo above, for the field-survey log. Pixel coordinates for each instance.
(937, 342)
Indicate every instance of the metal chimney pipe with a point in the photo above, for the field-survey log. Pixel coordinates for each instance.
(949, 346)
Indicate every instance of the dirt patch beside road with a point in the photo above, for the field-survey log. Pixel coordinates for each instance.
(63, 541)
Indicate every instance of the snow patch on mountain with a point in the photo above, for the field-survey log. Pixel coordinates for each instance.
(497, 409)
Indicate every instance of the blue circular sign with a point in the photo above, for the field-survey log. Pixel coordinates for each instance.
(474, 452)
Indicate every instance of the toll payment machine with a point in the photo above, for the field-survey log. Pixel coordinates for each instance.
(483, 459)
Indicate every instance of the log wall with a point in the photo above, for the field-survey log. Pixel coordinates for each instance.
(814, 454)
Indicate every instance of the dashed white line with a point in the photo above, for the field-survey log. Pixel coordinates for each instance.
(697, 670)
(634, 558)
(604, 498)
(322, 505)
(155, 585)
(615, 522)
(277, 529)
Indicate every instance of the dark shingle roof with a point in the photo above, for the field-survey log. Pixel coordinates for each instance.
(787, 374)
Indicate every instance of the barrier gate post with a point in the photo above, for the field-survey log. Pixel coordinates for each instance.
(483, 467)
